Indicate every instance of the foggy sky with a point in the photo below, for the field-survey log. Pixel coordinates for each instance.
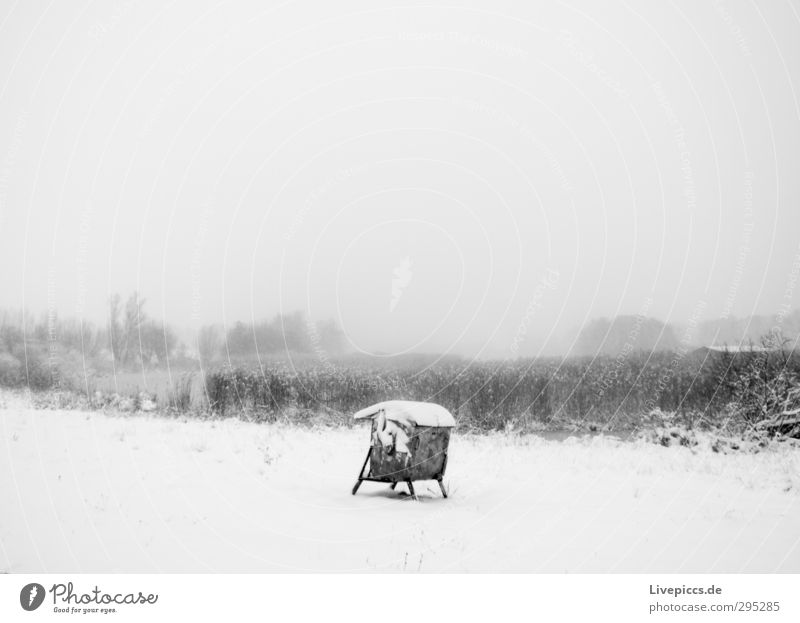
(477, 179)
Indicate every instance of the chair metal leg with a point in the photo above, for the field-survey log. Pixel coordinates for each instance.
(411, 489)
(361, 471)
(441, 486)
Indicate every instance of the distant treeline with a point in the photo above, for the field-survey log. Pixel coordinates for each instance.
(612, 336)
(47, 350)
(285, 333)
(44, 351)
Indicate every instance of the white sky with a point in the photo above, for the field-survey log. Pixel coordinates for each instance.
(233, 161)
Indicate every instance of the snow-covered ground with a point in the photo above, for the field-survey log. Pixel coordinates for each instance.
(82, 492)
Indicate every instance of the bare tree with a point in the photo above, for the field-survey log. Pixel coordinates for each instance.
(115, 336)
(134, 319)
(157, 341)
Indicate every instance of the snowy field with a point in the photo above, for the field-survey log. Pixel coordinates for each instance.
(91, 492)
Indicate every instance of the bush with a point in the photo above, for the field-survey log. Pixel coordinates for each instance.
(181, 394)
(26, 368)
(12, 373)
(761, 383)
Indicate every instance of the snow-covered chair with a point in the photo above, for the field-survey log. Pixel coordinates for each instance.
(408, 442)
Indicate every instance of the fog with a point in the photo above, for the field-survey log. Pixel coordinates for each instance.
(479, 179)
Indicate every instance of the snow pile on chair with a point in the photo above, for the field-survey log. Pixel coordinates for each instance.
(395, 421)
(409, 413)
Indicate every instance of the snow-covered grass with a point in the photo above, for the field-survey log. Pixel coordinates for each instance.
(87, 491)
